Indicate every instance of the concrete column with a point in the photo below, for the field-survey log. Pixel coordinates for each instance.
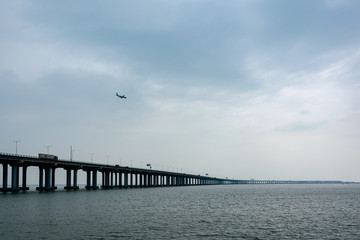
(75, 186)
(120, 179)
(94, 179)
(106, 179)
(68, 179)
(141, 179)
(53, 178)
(41, 177)
(116, 179)
(103, 178)
(88, 179)
(126, 179)
(15, 178)
(131, 179)
(167, 180)
(24, 179)
(144, 180)
(47, 177)
(5, 176)
(149, 180)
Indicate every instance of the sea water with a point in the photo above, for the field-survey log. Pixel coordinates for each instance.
(193, 212)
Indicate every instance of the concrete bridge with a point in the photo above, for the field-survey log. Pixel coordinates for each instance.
(112, 176)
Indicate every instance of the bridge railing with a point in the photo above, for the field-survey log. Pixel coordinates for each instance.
(16, 155)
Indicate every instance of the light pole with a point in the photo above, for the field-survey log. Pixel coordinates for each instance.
(91, 156)
(16, 143)
(71, 153)
(47, 148)
(107, 159)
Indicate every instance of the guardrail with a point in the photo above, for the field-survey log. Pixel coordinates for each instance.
(16, 155)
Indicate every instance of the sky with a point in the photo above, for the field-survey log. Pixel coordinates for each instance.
(245, 89)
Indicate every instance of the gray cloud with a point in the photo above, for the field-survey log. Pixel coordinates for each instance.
(226, 86)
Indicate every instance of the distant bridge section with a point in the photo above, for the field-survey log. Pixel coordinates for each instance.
(112, 176)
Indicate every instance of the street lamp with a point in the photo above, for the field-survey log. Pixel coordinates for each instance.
(47, 147)
(16, 143)
(91, 156)
(71, 153)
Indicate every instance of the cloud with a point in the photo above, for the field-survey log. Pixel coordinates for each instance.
(244, 84)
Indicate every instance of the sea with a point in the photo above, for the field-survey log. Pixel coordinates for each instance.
(190, 212)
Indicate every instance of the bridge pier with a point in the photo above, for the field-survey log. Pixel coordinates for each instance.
(126, 179)
(141, 180)
(47, 184)
(155, 180)
(167, 180)
(161, 180)
(145, 180)
(105, 181)
(120, 179)
(5, 177)
(15, 175)
(116, 180)
(24, 177)
(15, 178)
(136, 180)
(91, 173)
(131, 179)
(111, 179)
(68, 179)
(150, 182)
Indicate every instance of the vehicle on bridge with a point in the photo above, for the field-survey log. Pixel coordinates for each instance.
(48, 156)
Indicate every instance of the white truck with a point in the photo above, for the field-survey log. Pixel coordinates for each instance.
(48, 156)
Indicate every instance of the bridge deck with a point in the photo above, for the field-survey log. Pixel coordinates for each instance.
(113, 176)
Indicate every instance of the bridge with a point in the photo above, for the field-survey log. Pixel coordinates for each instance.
(113, 176)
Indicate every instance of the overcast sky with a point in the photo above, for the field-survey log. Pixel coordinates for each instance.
(238, 89)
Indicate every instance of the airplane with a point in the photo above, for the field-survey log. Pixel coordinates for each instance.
(123, 96)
